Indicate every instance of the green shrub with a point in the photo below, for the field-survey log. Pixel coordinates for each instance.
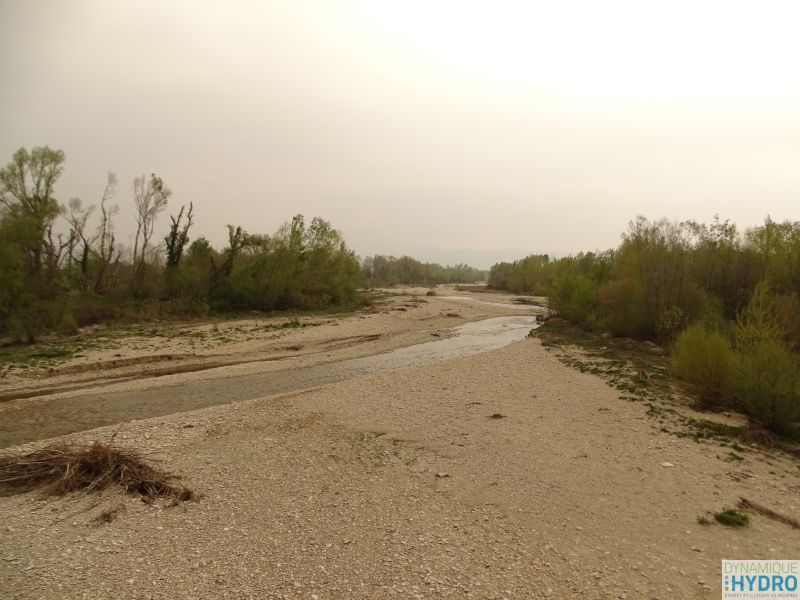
(625, 307)
(576, 299)
(706, 360)
(90, 309)
(670, 322)
(67, 324)
(767, 385)
(184, 308)
(732, 518)
(35, 315)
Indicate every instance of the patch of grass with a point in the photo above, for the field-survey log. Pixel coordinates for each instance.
(116, 330)
(59, 469)
(703, 520)
(53, 352)
(734, 456)
(712, 429)
(636, 369)
(294, 324)
(731, 517)
(22, 357)
(640, 371)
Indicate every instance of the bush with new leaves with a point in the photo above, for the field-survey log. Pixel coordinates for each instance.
(767, 386)
(706, 360)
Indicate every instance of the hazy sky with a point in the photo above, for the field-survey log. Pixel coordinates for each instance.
(445, 129)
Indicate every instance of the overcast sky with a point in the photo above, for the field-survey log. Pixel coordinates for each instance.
(450, 130)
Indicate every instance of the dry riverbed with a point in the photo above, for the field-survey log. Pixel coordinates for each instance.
(114, 375)
(505, 474)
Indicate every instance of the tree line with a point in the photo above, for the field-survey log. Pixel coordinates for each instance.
(726, 302)
(62, 265)
(388, 271)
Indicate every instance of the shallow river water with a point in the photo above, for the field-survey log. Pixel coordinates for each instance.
(59, 416)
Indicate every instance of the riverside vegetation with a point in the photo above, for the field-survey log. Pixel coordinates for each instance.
(725, 303)
(62, 265)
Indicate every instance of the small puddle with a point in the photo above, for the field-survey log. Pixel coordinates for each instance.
(59, 416)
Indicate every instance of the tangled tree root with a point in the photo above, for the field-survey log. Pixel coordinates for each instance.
(61, 468)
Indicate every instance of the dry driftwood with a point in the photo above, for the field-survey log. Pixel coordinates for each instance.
(62, 468)
(763, 510)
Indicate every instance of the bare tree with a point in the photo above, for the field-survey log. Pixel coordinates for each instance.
(237, 239)
(55, 248)
(105, 234)
(150, 197)
(78, 217)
